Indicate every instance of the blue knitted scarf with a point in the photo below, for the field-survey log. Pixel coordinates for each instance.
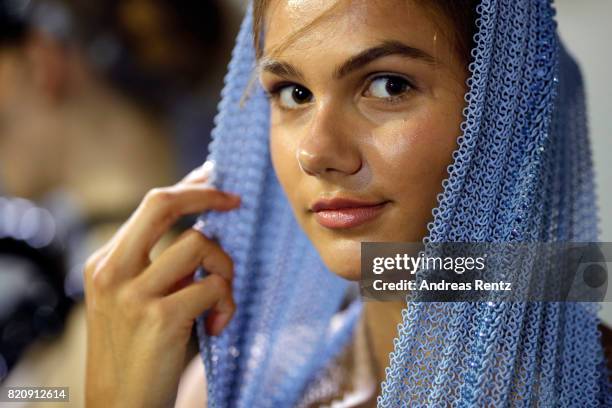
(522, 172)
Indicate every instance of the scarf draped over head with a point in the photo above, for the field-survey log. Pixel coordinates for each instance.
(522, 172)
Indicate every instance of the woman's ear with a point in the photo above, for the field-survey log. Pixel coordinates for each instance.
(48, 64)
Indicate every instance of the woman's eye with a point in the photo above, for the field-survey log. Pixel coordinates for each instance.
(292, 96)
(388, 87)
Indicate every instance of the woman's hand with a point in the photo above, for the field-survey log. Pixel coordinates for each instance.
(140, 312)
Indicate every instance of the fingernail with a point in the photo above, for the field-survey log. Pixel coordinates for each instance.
(233, 197)
(208, 167)
(214, 323)
(220, 321)
(207, 170)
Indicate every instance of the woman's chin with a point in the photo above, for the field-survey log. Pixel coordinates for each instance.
(345, 265)
(341, 255)
(351, 275)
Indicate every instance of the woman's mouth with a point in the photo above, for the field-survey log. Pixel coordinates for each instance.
(339, 213)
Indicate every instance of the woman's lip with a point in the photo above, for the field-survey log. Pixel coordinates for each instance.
(348, 217)
(338, 203)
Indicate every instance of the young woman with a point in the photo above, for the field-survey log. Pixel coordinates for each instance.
(362, 126)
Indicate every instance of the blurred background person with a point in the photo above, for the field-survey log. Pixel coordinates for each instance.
(99, 102)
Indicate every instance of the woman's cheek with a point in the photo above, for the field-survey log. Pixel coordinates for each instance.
(278, 153)
(410, 157)
(408, 150)
(284, 161)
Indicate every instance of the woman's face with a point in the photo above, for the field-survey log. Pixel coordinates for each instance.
(366, 106)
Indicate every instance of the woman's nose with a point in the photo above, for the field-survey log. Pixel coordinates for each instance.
(329, 145)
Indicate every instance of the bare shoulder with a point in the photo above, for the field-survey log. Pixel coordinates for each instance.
(192, 386)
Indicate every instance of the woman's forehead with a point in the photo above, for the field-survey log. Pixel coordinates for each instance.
(294, 26)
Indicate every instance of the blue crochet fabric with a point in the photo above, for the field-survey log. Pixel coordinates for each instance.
(522, 173)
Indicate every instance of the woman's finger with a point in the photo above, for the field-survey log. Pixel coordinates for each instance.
(212, 292)
(178, 261)
(159, 211)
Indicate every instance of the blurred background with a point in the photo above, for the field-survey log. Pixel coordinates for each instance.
(585, 28)
(101, 100)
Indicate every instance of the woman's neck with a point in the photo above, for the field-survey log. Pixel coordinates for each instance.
(381, 319)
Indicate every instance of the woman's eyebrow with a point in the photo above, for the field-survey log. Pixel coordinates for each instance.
(390, 47)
